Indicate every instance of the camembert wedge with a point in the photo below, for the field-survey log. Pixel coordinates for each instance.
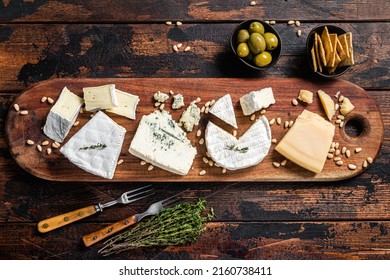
(62, 115)
(127, 104)
(95, 148)
(223, 109)
(257, 100)
(232, 153)
(161, 142)
(308, 141)
(100, 97)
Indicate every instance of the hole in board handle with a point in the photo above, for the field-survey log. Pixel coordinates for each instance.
(356, 128)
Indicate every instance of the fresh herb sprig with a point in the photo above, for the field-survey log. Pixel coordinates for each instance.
(98, 146)
(237, 149)
(180, 224)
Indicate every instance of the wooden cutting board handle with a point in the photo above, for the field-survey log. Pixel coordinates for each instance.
(64, 219)
(99, 235)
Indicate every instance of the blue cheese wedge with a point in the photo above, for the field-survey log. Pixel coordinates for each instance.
(178, 101)
(127, 104)
(161, 142)
(190, 117)
(160, 96)
(232, 153)
(257, 100)
(100, 97)
(62, 115)
(223, 109)
(95, 148)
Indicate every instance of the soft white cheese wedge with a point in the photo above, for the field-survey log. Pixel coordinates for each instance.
(62, 115)
(127, 104)
(223, 109)
(161, 142)
(95, 148)
(257, 100)
(232, 153)
(100, 97)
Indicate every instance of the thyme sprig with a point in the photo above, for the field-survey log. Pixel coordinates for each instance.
(177, 225)
(98, 146)
(237, 149)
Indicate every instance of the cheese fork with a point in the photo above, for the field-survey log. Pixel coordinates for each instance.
(73, 216)
(153, 209)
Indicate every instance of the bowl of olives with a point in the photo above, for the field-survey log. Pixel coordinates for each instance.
(256, 44)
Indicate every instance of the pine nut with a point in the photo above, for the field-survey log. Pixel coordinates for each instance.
(343, 150)
(120, 162)
(290, 124)
(336, 106)
(330, 156)
(157, 104)
(370, 160)
(333, 145)
(294, 102)
(341, 98)
(263, 111)
(223, 170)
(205, 160)
(365, 163)
(337, 152)
(352, 166)
(274, 141)
(179, 45)
(297, 23)
(24, 112)
(48, 151)
(39, 147)
(284, 162)
(299, 33)
(252, 3)
(212, 102)
(272, 22)
(143, 162)
(199, 133)
(30, 142)
(207, 104)
(347, 153)
(150, 167)
(179, 23)
(211, 163)
(341, 117)
(358, 150)
(290, 22)
(45, 143)
(341, 124)
(168, 22)
(175, 48)
(337, 145)
(206, 111)
(278, 121)
(338, 121)
(337, 159)
(187, 48)
(50, 100)
(339, 163)
(201, 141)
(271, 122)
(276, 164)
(162, 106)
(332, 150)
(43, 99)
(202, 110)
(234, 133)
(203, 172)
(76, 123)
(16, 107)
(171, 92)
(253, 117)
(286, 124)
(198, 99)
(55, 145)
(337, 94)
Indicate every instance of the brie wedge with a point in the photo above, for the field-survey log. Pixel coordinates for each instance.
(127, 104)
(99, 98)
(223, 109)
(232, 153)
(257, 100)
(62, 115)
(95, 148)
(161, 142)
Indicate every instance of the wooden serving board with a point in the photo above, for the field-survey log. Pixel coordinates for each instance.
(363, 128)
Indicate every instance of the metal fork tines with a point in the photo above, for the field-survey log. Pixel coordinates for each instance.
(128, 197)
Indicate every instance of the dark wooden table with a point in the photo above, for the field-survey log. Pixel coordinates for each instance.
(40, 40)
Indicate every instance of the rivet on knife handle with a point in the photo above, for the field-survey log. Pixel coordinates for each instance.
(64, 219)
(99, 235)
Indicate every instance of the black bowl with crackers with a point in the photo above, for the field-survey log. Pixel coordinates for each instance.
(329, 50)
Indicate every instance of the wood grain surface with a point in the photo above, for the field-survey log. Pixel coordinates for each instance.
(365, 119)
(41, 40)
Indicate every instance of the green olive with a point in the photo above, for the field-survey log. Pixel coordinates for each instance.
(256, 43)
(271, 41)
(242, 36)
(242, 50)
(256, 27)
(262, 59)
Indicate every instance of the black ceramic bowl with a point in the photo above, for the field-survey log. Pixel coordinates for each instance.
(267, 28)
(309, 44)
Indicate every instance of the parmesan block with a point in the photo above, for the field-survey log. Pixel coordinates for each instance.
(161, 142)
(62, 115)
(232, 153)
(257, 100)
(100, 97)
(127, 104)
(223, 109)
(307, 142)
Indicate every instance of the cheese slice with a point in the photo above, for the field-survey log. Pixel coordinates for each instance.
(308, 141)
(223, 109)
(95, 148)
(100, 97)
(327, 104)
(232, 153)
(62, 115)
(127, 104)
(257, 100)
(161, 142)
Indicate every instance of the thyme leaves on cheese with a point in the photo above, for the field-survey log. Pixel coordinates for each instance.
(237, 149)
(98, 146)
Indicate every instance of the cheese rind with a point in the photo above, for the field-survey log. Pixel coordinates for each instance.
(232, 153)
(161, 142)
(223, 109)
(127, 104)
(308, 141)
(100, 97)
(101, 130)
(257, 100)
(62, 115)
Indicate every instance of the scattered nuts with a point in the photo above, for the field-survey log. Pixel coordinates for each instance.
(297, 23)
(179, 45)
(271, 122)
(187, 48)
(199, 133)
(276, 164)
(30, 142)
(143, 162)
(330, 156)
(253, 117)
(48, 151)
(201, 141)
(168, 22)
(24, 112)
(76, 123)
(50, 100)
(252, 3)
(150, 167)
(16, 107)
(205, 160)
(175, 48)
(179, 23)
(294, 102)
(234, 133)
(203, 172)
(272, 22)
(365, 163)
(284, 162)
(45, 143)
(347, 153)
(290, 22)
(286, 123)
(358, 150)
(299, 33)
(278, 121)
(274, 141)
(120, 162)
(339, 163)
(352, 166)
(39, 147)
(43, 99)
(223, 170)
(370, 160)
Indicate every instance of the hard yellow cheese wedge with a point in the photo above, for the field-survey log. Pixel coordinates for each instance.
(327, 103)
(308, 141)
